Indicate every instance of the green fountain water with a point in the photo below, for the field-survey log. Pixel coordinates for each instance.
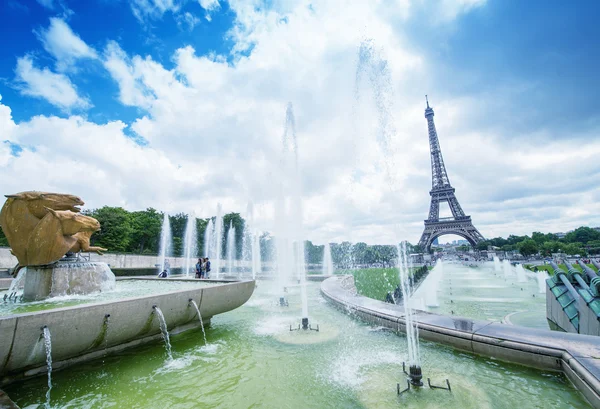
(248, 363)
(124, 289)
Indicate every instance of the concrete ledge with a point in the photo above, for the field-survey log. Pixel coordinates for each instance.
(578, 356)
(84, 332)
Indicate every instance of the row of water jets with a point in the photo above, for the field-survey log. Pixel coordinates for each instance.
(213, 237)
(47, 339)
(432, 282)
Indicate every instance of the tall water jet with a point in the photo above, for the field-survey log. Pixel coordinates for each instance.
(208, 239)
(497, 268)
(289, 217)
(256, 258)
(48, 348)
(165, 242)
(327, 267)
(375, 68)
(412, 332)
(542, 276)
(218, 240)
(506, 268)
(251, 243)
(164, 330)
(190, 243)
(431, 284)
(521, 277)
(231, 250)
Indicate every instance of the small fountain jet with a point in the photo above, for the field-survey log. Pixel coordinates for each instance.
(415, 376)
(305, 326)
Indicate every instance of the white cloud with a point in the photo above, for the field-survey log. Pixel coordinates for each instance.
(55, 88)
(49, 4)
(64, 45)
(209, 6)
(187, 20)
(214, 132)
(447, 10)
(154, 9)
(132, 90)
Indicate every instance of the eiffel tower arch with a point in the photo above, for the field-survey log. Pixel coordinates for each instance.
(441, 191)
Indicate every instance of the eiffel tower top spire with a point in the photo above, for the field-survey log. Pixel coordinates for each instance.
(439, 177)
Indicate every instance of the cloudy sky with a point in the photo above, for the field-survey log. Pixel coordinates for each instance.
(180, 105)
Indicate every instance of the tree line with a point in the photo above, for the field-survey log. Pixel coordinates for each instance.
(583, 241)
(138, 232)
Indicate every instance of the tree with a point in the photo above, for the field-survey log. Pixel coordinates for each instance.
(3, 240)
(178, 223)
(527, 247)
(358, 252)
(550, 247)
(116, 229)
(236, 221)
(482, 245)
(145, 235)
(582, 235)
(314, 254)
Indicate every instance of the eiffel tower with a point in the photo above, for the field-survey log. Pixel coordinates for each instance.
(442, 191)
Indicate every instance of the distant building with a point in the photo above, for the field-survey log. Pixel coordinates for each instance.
(416, 258)
(560, 235)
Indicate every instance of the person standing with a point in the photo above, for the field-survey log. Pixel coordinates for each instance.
(199, 268)
(207, 268)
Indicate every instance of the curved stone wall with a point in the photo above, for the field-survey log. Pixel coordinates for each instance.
(79, 333)
(578, 356)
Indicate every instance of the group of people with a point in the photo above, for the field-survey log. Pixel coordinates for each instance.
(203, 268)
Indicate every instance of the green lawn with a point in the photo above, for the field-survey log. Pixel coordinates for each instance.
(550, 271)
(376, 282)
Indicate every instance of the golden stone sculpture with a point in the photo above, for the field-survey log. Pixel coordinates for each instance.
(42, 227)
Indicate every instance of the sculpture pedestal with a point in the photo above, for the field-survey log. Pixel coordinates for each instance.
(66, 278)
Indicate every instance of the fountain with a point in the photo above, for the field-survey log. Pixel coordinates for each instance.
(190, 244)
(521, 276)
(200, 318)
(251, 244)
(48, 348)
(256, 258)
(208, 240)
(497, 267)
(164, 330)
(87, 292)
(218, 240)
(289, 218)
(506, 268)
(542, 276)
(327, 262)
(431, 284)
(17, 283)
(412, 332)
(231, 248)
(165, 243)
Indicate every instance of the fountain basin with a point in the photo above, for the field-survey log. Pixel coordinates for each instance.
(80, 333)
(64, 278)
(578, 356)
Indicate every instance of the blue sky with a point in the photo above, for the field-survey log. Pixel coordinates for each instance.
(97, 22)
(188, 97)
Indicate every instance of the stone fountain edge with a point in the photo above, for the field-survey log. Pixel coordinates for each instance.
(577, 356)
